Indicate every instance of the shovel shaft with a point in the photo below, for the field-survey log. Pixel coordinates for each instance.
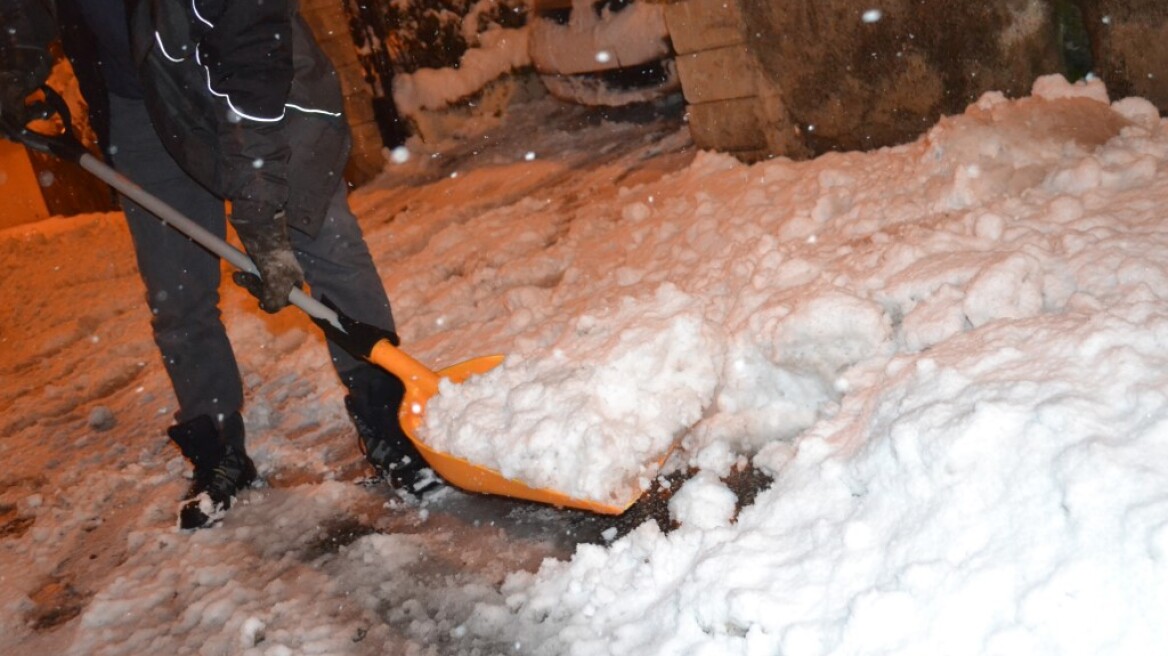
(197, 233)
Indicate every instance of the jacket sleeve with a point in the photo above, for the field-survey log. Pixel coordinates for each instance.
(28, 28)
(248, 56)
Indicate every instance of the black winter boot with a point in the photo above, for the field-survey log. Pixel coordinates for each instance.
(373, 402)
(222, 467)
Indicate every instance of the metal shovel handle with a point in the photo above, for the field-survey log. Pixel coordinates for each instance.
(66, 146)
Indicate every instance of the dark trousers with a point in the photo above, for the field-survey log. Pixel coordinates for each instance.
(182, 278)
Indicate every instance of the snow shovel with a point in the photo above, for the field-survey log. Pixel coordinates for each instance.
(420, 382)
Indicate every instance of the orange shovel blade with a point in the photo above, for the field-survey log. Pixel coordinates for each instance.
(421, 384)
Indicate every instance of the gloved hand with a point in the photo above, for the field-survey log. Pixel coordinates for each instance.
(270, 249)
(14, 113)
(26, 29)
(273, 289)
(357, 338)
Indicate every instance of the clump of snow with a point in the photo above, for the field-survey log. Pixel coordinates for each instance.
(704, 502)
(251, 633)
(102, 418)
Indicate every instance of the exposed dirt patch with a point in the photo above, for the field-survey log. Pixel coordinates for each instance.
(92, 559)
(746, 483)
(335, 535)
(57, 602)
(13, 524)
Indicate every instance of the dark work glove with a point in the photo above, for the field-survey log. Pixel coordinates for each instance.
(14, 113)
(269, 295)
(26, 29)
(268, 245)
(357, 338)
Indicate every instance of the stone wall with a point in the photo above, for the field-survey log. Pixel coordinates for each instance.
(733, 106)
(802, 77)
(1129, 45)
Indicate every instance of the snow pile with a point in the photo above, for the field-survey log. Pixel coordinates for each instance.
(998, 487)
(988, 498)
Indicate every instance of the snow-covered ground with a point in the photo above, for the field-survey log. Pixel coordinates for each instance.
(951, 357)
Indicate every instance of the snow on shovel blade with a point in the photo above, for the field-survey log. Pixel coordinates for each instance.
(421, 385)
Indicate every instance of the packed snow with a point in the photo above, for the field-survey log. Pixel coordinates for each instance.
(950, 356)
(597, 38)
(592, 428)
(499, 52)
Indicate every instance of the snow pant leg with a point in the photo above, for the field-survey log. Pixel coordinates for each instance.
(337, 264)
(181, 277)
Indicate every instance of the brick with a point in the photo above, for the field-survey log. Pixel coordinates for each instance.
(359, 108)
(696, 25)
(728, 125)
(719, 74)
(366, 161)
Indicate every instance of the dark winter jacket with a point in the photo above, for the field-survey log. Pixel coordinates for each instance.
(243, 96)
(239, 92)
